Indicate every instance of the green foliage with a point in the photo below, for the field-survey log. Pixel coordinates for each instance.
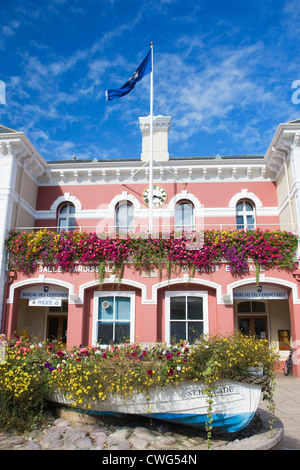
(87, 375)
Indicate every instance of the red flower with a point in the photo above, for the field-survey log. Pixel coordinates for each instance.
(150, 372)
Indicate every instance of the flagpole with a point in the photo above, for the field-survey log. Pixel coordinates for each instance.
(151, 149)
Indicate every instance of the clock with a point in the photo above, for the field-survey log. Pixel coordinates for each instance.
(159, 196)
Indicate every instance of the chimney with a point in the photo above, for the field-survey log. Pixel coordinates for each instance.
(161, 127)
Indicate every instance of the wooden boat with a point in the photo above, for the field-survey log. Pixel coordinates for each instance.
(234, 404)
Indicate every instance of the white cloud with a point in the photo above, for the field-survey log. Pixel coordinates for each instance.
(2, 93)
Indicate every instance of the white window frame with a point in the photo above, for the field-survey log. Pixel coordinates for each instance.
(97, 296)
(128, 228)
(168, 295)
(244, 213)
(68, 215)
(182, 226)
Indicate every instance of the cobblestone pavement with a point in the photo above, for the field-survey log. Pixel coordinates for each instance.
(73, 431)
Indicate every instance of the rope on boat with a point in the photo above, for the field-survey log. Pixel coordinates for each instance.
(264, 380)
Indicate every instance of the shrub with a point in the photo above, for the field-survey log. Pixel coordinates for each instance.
(86, 375)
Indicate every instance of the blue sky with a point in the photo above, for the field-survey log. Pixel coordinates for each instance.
(223, 70)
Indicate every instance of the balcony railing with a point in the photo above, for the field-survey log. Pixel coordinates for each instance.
(140, 229)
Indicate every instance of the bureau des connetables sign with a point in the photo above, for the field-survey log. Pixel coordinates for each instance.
(263, 291)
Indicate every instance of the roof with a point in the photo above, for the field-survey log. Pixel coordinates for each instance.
(171, 159)
(6, 130)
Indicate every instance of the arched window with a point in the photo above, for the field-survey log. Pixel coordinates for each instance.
(66, 219)
(245, 215)
(124, 217)
(184, 216)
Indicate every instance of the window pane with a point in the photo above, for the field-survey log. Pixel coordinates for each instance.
(124, 216)
(244, 307)
(250, 221)
(122, 333)
(187, 214)
(178, 308)
(258, 306)
(62, 224)
(71, 209)
(239, 206)
(71, 222)
(249, 207)
(184, 215)
(195, 308)
(122, 306)
(239, 222)
(195, 331)
(178, 331)
(64, 209)
(106, 305)
(105, 333)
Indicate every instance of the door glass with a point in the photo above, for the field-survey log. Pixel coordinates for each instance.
(244, 326)
(260, 327)
(57, 328)
(53, 328)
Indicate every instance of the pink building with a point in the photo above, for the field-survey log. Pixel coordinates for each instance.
(220, 193)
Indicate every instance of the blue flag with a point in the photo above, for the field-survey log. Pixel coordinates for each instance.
(144, 68)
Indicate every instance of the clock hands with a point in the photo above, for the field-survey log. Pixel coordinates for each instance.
(158, 196)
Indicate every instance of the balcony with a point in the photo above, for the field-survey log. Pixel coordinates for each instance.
(265, 246)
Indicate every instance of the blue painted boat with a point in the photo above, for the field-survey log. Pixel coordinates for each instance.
(234, 404)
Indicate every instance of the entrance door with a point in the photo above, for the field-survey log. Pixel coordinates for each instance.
(251, 319)
(253, 326)
(57, 328)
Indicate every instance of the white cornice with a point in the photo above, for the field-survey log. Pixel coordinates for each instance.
(286, 138)
(17, 145)
(120, 172)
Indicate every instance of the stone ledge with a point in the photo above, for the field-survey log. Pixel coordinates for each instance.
(265, 439)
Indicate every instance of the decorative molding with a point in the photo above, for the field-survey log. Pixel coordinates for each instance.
(124, 196)
(67, 197)
(184, 195)
(245, 194)
(42, 279)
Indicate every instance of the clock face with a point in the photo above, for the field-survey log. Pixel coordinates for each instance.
(159, 196)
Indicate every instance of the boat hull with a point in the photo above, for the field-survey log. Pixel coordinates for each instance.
(234, 405)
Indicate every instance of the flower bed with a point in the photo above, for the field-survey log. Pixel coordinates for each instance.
(268, 248)
(86, 375)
